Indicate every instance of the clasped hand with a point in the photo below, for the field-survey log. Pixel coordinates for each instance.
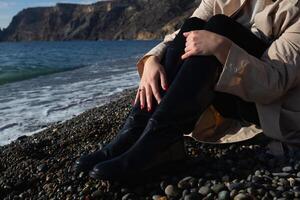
(199, 42)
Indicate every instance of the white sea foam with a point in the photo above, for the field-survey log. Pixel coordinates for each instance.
(31, 105)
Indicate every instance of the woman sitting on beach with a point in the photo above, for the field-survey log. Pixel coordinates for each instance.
(239, 56)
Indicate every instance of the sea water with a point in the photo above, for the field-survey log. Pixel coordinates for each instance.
(47, 82)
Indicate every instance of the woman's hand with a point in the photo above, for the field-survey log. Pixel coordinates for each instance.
(202, 42)
(153, 78)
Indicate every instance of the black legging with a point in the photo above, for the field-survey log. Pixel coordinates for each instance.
(228, 105)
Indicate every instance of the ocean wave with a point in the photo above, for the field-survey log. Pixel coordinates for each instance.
(20, 74)
(7, 126)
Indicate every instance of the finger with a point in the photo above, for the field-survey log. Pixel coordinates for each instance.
(187, 55)
(185, 34)
(190, 39)
(155, 90)
(189, 43)
(188, 48)
(149, 98)
(163, 80)
(142, 98)
(136, 97)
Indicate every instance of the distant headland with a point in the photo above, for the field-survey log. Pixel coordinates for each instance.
(104, 20)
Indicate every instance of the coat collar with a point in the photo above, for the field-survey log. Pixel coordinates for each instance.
(229, 7)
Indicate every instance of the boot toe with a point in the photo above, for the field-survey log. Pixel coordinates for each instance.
(87, 162)
(108, 170)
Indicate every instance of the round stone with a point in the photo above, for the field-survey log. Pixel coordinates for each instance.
(204, 190)
(128, 196)
(235, 186)
(223, 195)
(192, 196)
(218, 188)
(97, 193)
(184, 183)
(163, 185)
(42, 167)
(287, 169)
(171, 191)
(242, 196)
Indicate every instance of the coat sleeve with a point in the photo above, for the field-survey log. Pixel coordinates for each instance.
(266, 79)
(204, 12)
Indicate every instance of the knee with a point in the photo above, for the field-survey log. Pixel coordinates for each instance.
(219, 19)
(193, 20)
(219, 24)
(192, 24)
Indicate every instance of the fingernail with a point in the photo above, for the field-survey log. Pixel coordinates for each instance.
(142, 107)
(166, 87)
(149, 109)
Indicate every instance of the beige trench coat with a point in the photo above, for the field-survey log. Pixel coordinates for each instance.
(272, 81)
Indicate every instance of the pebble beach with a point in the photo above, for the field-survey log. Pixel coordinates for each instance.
(41, 166)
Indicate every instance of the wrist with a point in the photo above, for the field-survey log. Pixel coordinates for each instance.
(223, 49)
(151, 59)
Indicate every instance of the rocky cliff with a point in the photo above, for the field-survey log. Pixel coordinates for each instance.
(118, 19)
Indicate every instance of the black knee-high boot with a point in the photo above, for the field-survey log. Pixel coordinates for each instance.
(137, 119)
(187, 98)
(127, 136)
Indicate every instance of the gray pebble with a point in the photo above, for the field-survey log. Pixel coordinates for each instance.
(235, 186)
(172, 191)
(184, 183)
(218, 187)
(223, 195)
(97, 193)
(204, 190)
(128, 196)
(287, 169)
(283, 174)
(157, 197)
(42, 167)
(192, 196)
(242, 196)
(163, 185)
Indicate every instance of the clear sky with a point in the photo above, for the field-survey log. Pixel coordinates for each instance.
(9, 8)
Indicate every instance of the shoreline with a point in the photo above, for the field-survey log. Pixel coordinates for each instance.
(112, 97)
(41, 166)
